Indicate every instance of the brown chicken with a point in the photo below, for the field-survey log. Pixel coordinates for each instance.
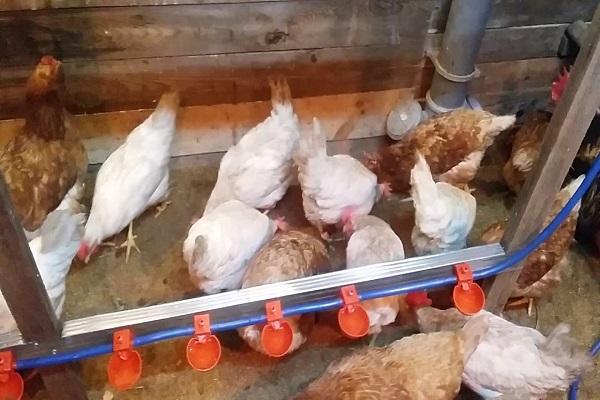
(419, 367)
(542, 268)
(525, 149)
(289, 255)
(453, 144)
(46, 159)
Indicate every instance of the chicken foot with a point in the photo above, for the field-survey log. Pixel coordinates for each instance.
(130, 242)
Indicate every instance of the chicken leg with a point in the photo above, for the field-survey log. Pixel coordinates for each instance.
(130, 242)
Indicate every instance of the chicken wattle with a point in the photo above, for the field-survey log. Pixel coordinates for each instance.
(333, 187)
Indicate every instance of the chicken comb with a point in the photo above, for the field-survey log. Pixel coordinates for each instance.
(559, 84)
(418, 299)
(48, 60)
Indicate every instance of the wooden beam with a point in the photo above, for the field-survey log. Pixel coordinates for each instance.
(116, 33)
(208, 129)
(507, 13)
(561, 142)
(26, 297)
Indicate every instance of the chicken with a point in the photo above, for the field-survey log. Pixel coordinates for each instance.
(418, 367)
(258, 170)
(53, 250)
(333, 187)
(542, 268)
(453, 144)
(289, 255)
(444, 214)
(221, 243)
(44, 161)
(134, 177)
(525, 149)
(513, 361)
(373, 241)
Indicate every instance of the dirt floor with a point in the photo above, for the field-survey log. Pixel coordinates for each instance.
(159, 274)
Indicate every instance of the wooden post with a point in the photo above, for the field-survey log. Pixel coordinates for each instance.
(25, 294)
(561, 142)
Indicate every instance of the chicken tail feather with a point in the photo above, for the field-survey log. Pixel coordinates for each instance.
(166, 110)
(281, 96)
(500, 123)
(423, 187)
(312, 144)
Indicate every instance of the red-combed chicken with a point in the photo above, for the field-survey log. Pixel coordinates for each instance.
(220, 245)
(453, 144)
(525, 149)
(373, 241)
(333, 187)
(444, 214)
(46, 159)
(288, 255)
(542, 268)
(418, 367)
(512, 361)
(258, 170)
(134, 177)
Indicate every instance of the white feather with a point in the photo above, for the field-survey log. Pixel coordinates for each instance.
(220, 244)
(444, 214)
(332, 184)
(373, 242)
(53, 251)
(259, 169)
(134, 177)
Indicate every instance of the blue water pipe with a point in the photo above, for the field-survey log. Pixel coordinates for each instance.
(574, 388)
(332, 304)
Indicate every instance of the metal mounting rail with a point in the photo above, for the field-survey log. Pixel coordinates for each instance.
(238, 304)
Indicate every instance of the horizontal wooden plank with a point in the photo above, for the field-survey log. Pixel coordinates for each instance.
(506, 86)
(517, 43)
(231, 78)
(16, 5)
(167, 31)
(206, 129)
(507, 13)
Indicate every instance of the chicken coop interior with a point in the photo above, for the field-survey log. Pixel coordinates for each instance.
(299, 199)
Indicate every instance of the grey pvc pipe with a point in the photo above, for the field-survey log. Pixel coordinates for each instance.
(458, 53)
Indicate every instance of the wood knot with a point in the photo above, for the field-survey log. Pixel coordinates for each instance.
(276, 36)
(385, 7)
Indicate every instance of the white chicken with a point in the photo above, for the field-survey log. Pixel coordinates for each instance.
(373, 241)
(53, 251)
(511, 361)
(221, 243)
(258, 170)
(336, 187)
(444, 214)
(133, 178)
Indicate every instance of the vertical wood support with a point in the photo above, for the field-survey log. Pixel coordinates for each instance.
(25, 294)
(561, 142)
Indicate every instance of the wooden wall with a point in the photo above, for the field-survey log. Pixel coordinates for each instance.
(121, 55)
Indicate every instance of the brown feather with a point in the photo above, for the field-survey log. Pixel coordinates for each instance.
(525, 149)
(42, 163)
(541, 268)
(424, 366)
(445, 140)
